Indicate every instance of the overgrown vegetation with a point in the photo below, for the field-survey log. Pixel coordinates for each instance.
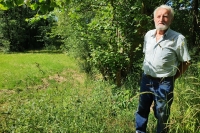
(106, 35)
(49, 92)
(61, 98)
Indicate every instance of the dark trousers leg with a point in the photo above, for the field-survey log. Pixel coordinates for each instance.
(145, 101)
(161, 92)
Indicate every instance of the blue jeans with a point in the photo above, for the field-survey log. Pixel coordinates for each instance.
(159, 91)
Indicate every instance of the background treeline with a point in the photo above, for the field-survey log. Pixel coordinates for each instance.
(106, 35)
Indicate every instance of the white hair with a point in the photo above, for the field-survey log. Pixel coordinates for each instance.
(169, 8)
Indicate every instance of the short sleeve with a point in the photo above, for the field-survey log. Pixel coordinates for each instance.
(182, 50)
(144, 44)
(146, 37)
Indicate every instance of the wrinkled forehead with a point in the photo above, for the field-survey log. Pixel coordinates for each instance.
(162, 11)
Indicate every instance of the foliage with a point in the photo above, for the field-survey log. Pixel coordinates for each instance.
(183, 15)
(186, 12)
(19, 33)
(42, 6)
(6, 4)
(95, 27)
(106, 35)
(13, 29)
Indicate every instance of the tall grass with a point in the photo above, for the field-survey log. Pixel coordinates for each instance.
(58, 97)
(185, 110)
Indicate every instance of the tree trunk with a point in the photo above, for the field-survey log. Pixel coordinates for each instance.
(118, 78)
(195, 22)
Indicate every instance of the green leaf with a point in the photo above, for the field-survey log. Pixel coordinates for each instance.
(67, 2)
(3, 7)
(7, 4)
(19, 2)
(34, 6)
(40, 1)
(134, 7)
(44, 8)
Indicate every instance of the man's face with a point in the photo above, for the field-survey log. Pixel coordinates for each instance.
(162, 19)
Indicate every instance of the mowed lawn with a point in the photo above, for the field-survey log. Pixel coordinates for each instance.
(28, 69)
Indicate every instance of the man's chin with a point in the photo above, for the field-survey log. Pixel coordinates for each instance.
(161, 27)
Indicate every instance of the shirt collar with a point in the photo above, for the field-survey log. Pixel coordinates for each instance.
(167, 32)
(154, 32)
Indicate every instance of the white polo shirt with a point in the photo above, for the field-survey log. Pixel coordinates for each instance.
(163, 57)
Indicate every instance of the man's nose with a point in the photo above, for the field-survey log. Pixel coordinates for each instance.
(161, 18)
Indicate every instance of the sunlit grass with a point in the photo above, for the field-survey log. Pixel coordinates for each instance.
(23, 70)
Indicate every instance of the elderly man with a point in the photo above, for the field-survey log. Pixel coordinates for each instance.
(166, 58)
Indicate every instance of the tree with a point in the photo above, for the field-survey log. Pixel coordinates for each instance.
(107, 35)
(186, 21)
(42, 6)
(196, 25)
(110, 35)
(13, 28)
(21, 31)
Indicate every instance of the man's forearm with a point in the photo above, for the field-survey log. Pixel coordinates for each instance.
(181, 69)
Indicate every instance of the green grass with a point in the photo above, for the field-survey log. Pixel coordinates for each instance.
(27, 70)
(186, 108)
(57, 97)
(43, 92)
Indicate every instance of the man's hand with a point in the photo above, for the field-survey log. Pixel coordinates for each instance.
(182, 68)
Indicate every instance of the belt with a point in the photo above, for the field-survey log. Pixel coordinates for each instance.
(154, 78)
